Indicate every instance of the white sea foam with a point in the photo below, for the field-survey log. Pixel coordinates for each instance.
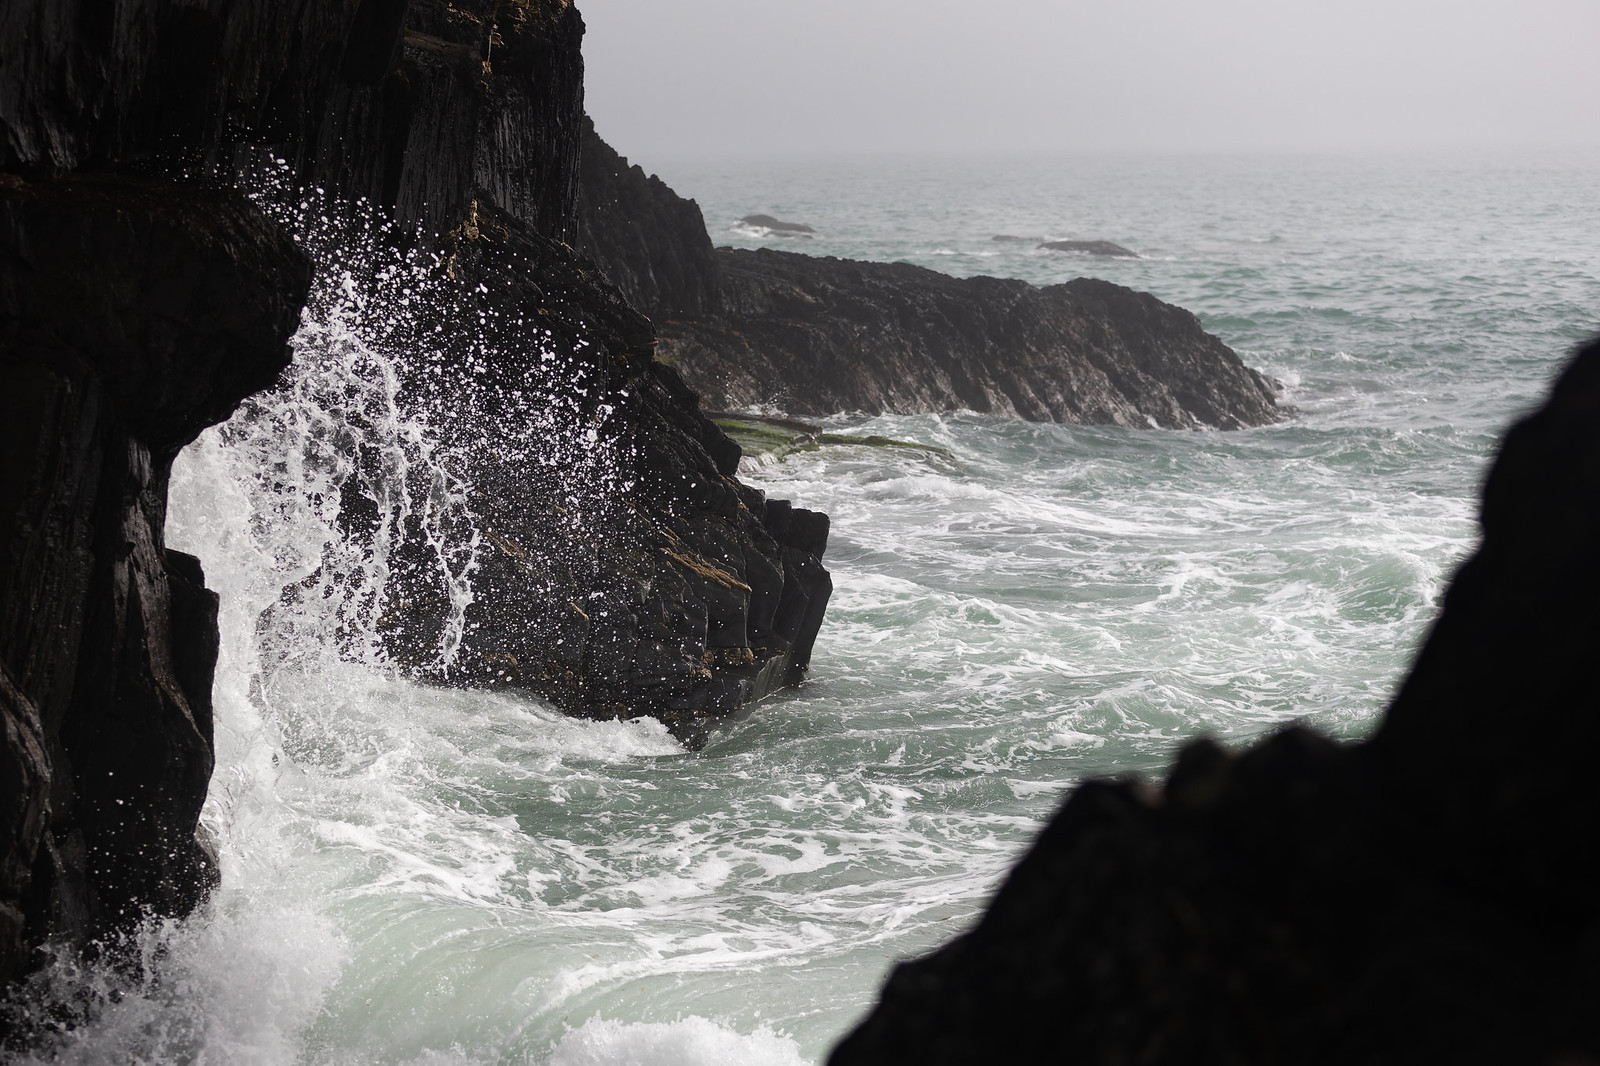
(691, 1042)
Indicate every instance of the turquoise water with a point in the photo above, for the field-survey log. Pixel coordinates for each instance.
(423, 876)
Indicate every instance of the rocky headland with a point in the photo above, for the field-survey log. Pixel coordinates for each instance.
(1424, 896)
(814, 336)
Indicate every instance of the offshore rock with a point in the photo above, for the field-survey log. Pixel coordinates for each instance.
(132, 315)
(815, 336)
(1426, 896)
(778, 227)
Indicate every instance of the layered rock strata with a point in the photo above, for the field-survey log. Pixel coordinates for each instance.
(1425, 896)
(815, 336)
(666, 588)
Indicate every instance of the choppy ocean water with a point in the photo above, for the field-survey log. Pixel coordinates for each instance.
(422, 876)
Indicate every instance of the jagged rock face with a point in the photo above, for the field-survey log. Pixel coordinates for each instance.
(1426, 896)
(92, 81)
(482, 100)
(649, 242)
(132, 315)
(814, 336)
(655, 584)
(685, 596)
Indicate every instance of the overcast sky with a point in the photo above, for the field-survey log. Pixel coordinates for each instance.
(686, 78)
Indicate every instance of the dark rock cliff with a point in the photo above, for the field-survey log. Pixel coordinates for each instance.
(697, 596)
(132, 315)
(1426, 896)
(137, 310)
(814, 336)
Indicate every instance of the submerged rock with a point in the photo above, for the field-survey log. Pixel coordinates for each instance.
(1425, 896)
(777, 227)
(1105, 248)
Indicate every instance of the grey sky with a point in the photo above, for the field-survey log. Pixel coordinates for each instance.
(680, 78)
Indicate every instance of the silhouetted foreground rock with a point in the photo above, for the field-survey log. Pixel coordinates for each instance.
(1426, 896)
(815, 336)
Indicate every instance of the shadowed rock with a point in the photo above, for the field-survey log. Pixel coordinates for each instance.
(1426, 896)
(135, 313)
(132, 315)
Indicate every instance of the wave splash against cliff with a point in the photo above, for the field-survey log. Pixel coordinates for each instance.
(318, 509)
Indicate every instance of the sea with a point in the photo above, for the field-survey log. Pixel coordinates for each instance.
(426, 876)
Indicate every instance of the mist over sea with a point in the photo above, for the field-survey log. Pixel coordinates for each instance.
(423, 876)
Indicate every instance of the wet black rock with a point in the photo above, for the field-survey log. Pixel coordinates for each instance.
(1425, 896)
(655, 585)
(1105, 248)
(814, 336)
(134, 312)
(673, 590)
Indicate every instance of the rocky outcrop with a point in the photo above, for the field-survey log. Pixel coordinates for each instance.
(679, 593)
(476, 100)
(132, 315)
(654, 584)
(1425, 896)
(815, 336)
